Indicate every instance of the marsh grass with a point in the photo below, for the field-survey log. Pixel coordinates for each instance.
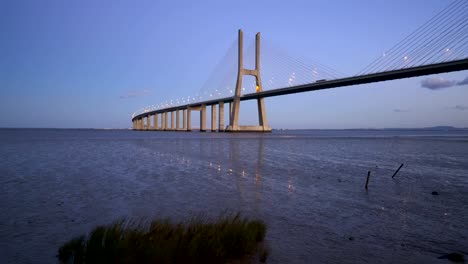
(227, 239)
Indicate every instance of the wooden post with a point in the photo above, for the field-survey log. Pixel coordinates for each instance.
(394, 174)
(367, 180)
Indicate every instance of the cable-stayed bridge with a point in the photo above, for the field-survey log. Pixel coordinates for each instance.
(440, 45)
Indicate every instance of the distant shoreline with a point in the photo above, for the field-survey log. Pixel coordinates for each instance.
(436, 128)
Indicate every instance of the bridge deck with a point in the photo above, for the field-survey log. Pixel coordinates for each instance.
(458, 65)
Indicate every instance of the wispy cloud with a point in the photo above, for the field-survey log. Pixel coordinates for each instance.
(463, 82)
(437, 83)
(397, 110)
(460, 107)
(135, 93)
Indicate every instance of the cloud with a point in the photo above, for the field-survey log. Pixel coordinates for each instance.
(460, 107)
(465, 81)
(135, 93)
(400, 110)
(437, 83)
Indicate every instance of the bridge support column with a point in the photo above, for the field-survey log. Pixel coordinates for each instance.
(177, 119)
(221, 117)
(241, 71)
(172, 120)
(213, 118)
(184, 119)
(155, 121)
(189, 119)
(203, 118)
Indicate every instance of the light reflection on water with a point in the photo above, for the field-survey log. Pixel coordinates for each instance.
(307, 185)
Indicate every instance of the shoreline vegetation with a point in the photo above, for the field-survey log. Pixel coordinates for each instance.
(226, 239)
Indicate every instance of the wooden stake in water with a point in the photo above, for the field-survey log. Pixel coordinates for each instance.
(394, 174)
(367, 180)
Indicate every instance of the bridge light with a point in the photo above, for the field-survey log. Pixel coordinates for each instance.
(447, 50)
(257, 88)
(405, 57)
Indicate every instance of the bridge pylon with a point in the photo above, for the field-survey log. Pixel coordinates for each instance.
(241, 71)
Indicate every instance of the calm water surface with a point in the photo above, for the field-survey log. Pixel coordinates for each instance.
(307, 185)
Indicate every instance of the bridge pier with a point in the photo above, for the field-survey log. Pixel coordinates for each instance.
(155, 121)
(221, 117)
(203, 118)
(213, 118)
(241, 71)
(177, 120)
(172, 120)
(184, 119)
(189, 119)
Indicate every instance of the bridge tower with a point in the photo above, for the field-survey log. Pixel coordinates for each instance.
(234, 113)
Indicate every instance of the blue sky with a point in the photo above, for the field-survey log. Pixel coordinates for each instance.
(91, 64)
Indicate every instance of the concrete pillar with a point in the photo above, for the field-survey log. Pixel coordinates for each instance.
(163, 121)
(221, 117)
(148, 120)
(262, 120)
(184, 119)
(172, 120)
(155, 121)
(166, 121)
(234, 113)
(203, 118)
(213, 118)
(177, 119)
(230, 112)
(189, 119)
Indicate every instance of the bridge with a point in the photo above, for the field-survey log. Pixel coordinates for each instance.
(438, 46)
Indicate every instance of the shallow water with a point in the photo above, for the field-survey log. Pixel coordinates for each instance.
(307, 185)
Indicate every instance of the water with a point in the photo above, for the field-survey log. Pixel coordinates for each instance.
(307, 185)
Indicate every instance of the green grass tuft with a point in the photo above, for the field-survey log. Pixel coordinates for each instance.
(228, 239)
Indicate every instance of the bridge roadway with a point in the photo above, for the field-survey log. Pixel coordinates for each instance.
(451, 66)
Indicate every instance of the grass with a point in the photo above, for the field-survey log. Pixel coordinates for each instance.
(227, 239)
